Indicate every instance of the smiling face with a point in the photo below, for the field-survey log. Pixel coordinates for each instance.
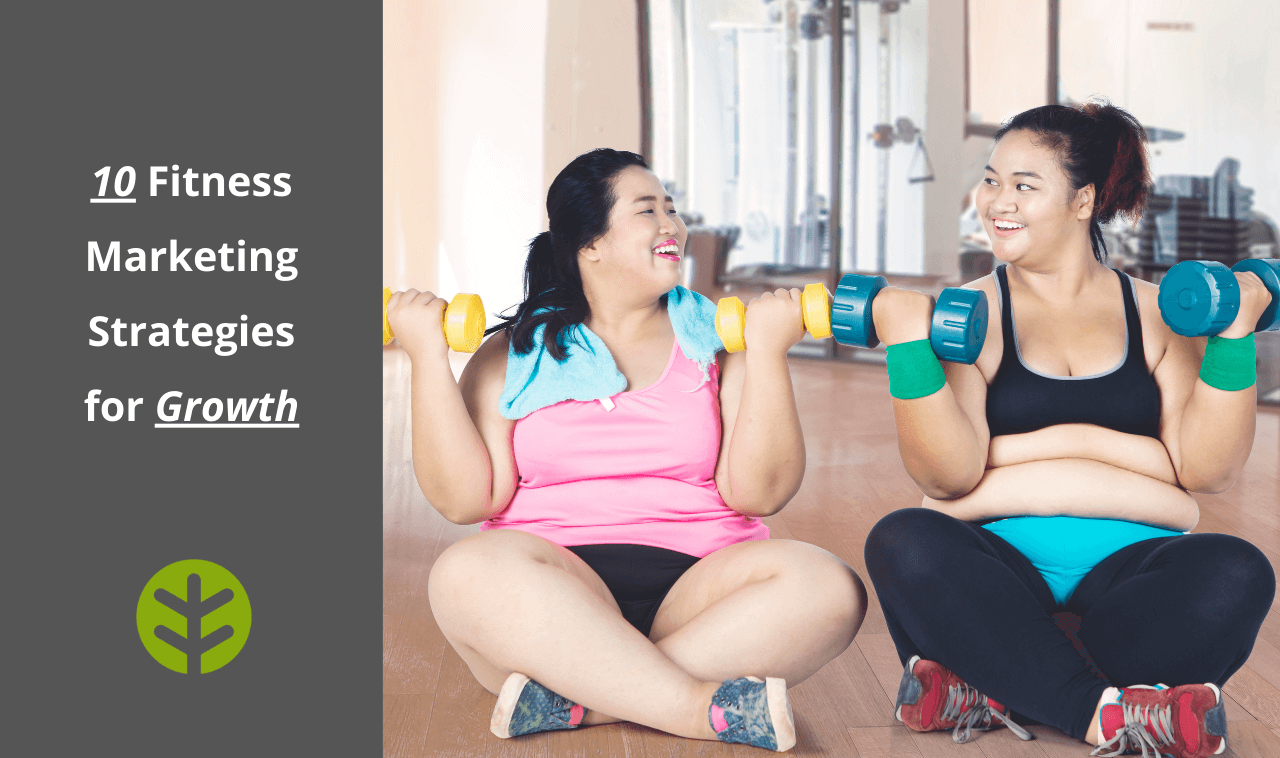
(646, 238)
(1027, 203)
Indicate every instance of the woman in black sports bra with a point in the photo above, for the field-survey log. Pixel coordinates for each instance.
(1056, 471)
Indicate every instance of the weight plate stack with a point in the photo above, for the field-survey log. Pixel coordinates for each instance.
(851, 321)
(815, 308)
(959, 325)
(731, 322)
(1199, 298)
(464, 323)
(387, 336)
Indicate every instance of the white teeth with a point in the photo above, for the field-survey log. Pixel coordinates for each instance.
(1008, 225)
(667, 250)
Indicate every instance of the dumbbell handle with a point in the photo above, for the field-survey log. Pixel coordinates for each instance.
(462, 321)
(815, 312)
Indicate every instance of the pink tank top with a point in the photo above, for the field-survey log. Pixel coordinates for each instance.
(642, 473)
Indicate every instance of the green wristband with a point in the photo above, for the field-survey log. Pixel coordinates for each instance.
(1230, 364)
(914, 371)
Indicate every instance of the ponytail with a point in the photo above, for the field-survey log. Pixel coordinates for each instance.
(1129, 179)
(553, 297)
(578, 206)
(1099, 144)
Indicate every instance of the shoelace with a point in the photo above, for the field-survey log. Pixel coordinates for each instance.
(962, 696)
(1142, 727)
(559, 711)
(738, 708)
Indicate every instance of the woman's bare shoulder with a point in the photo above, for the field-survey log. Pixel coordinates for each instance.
(986, 283)
(488, 366)
(1156, 334)
(993, 348)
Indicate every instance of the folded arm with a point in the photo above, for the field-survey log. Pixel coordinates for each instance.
(1131, 452)
(1073, 487)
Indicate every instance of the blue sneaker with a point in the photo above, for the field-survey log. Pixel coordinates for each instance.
(752, 712)
(524, 707)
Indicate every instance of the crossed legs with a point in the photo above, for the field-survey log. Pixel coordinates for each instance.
(1176, 610)
(510, 601)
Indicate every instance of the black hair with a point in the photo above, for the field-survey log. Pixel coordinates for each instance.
(578, 205)
(1096, 143)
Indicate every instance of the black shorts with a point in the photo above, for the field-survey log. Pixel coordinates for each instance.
(638, 576)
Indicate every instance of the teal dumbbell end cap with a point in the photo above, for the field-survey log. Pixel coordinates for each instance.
(851, 322)
(1268, 271)
(959, 325)
(1199, 298)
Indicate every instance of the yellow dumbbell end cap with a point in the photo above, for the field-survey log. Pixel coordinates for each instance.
(731, 323)
(387, 336)
(464, 323)
(815, 304)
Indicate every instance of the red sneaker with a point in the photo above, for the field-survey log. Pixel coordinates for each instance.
(1187, 721)
(931, 698)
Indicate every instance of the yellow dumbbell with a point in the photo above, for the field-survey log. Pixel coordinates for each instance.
(463, 322)
(731, 317)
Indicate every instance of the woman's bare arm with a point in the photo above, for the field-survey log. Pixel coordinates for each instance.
(1073, 487)
(462, 450)
(942, 437)
(1208, 432)
(762, 456)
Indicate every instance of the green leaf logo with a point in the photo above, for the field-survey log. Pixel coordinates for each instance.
(193, 617)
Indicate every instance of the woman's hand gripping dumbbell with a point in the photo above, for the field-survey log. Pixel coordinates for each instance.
(814, 317)
(1206, 299)
(462, 320)
(958, 321)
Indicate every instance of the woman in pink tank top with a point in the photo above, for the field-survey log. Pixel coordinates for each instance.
(622, 571)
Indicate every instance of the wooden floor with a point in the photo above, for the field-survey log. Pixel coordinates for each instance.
(433, 707)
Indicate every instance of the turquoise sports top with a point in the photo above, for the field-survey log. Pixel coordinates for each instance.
(1065, 548)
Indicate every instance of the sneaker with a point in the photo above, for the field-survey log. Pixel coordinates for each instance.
(752, 712)
(1187, 721)
(524, 707)
(931, 698)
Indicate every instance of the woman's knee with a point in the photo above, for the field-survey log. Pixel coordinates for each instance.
(812, 580)
(482, 557)
(1240, 575)
(1221, 580)
(910, 543)
(826, 585)
(837, 587)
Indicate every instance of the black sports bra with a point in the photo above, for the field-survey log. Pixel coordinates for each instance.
(1124, 398)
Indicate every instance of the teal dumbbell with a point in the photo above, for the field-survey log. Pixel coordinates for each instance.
(1201, 298)
(957, 333)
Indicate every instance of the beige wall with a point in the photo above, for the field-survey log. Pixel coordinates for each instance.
(1008, 57)
(593, 79)
(410, 166)
(483, 103)
(945, 114)
(1215, 77)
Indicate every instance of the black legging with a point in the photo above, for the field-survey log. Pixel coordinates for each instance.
(1172, 610)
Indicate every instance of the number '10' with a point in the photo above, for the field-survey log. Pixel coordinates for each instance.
(126, 173)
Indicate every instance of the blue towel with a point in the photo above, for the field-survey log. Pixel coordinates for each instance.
(535, 380)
